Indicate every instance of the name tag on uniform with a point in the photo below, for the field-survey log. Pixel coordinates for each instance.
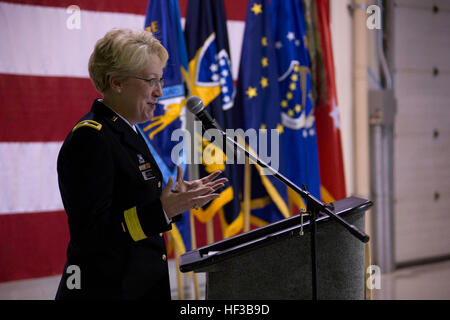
(145, 168)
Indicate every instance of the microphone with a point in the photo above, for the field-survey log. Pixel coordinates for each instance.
(195, 105)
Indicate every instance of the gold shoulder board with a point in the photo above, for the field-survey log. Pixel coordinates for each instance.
(88, 123)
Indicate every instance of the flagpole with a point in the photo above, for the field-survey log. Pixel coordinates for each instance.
(179, 279)
(210, 231)
(361, 127)
(291, 206)
(247, 194)
(196, 290)
(193, 174)
(367, 263)
(194, 246)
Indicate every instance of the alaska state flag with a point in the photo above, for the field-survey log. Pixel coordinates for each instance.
(163, 20)
(211, 80)
(258, 105)
(298, 140)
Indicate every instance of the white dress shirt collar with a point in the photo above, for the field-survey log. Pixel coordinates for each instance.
(119, 115)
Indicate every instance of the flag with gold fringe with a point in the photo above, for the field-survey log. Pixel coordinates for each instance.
(257, 104)
(299, 139)
(211, 80)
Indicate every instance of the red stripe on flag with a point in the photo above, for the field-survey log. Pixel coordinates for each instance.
(33, 244)
(330, 153)
(120, 6)
(42, 108)
(328, 135)
(234, 9)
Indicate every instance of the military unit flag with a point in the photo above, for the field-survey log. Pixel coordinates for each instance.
(257, 105)
(285, 85)
(163, 20)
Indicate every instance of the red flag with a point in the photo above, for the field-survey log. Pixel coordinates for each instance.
(327, 117)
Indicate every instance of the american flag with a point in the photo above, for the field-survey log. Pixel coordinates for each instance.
(44, 89)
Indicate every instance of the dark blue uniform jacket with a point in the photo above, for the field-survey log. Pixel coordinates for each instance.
(110, 187)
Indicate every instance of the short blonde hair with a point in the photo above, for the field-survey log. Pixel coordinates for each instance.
(122, 52)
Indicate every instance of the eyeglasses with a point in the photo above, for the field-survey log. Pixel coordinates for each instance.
(153, 82)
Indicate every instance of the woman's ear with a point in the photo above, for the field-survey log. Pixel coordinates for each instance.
(116, 84)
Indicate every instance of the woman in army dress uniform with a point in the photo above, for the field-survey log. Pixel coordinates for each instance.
(110, 183)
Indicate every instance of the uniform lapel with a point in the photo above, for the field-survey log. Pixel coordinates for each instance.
(128, 135)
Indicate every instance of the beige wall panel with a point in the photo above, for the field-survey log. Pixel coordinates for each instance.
(424, 115)
(422, 187)
(421, 40)
(416, 223)
(422, 129)
(421, 163)
(422, 85)
(423, 4)
(415, 230)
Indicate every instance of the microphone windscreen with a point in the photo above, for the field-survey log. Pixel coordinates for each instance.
(194, 104)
